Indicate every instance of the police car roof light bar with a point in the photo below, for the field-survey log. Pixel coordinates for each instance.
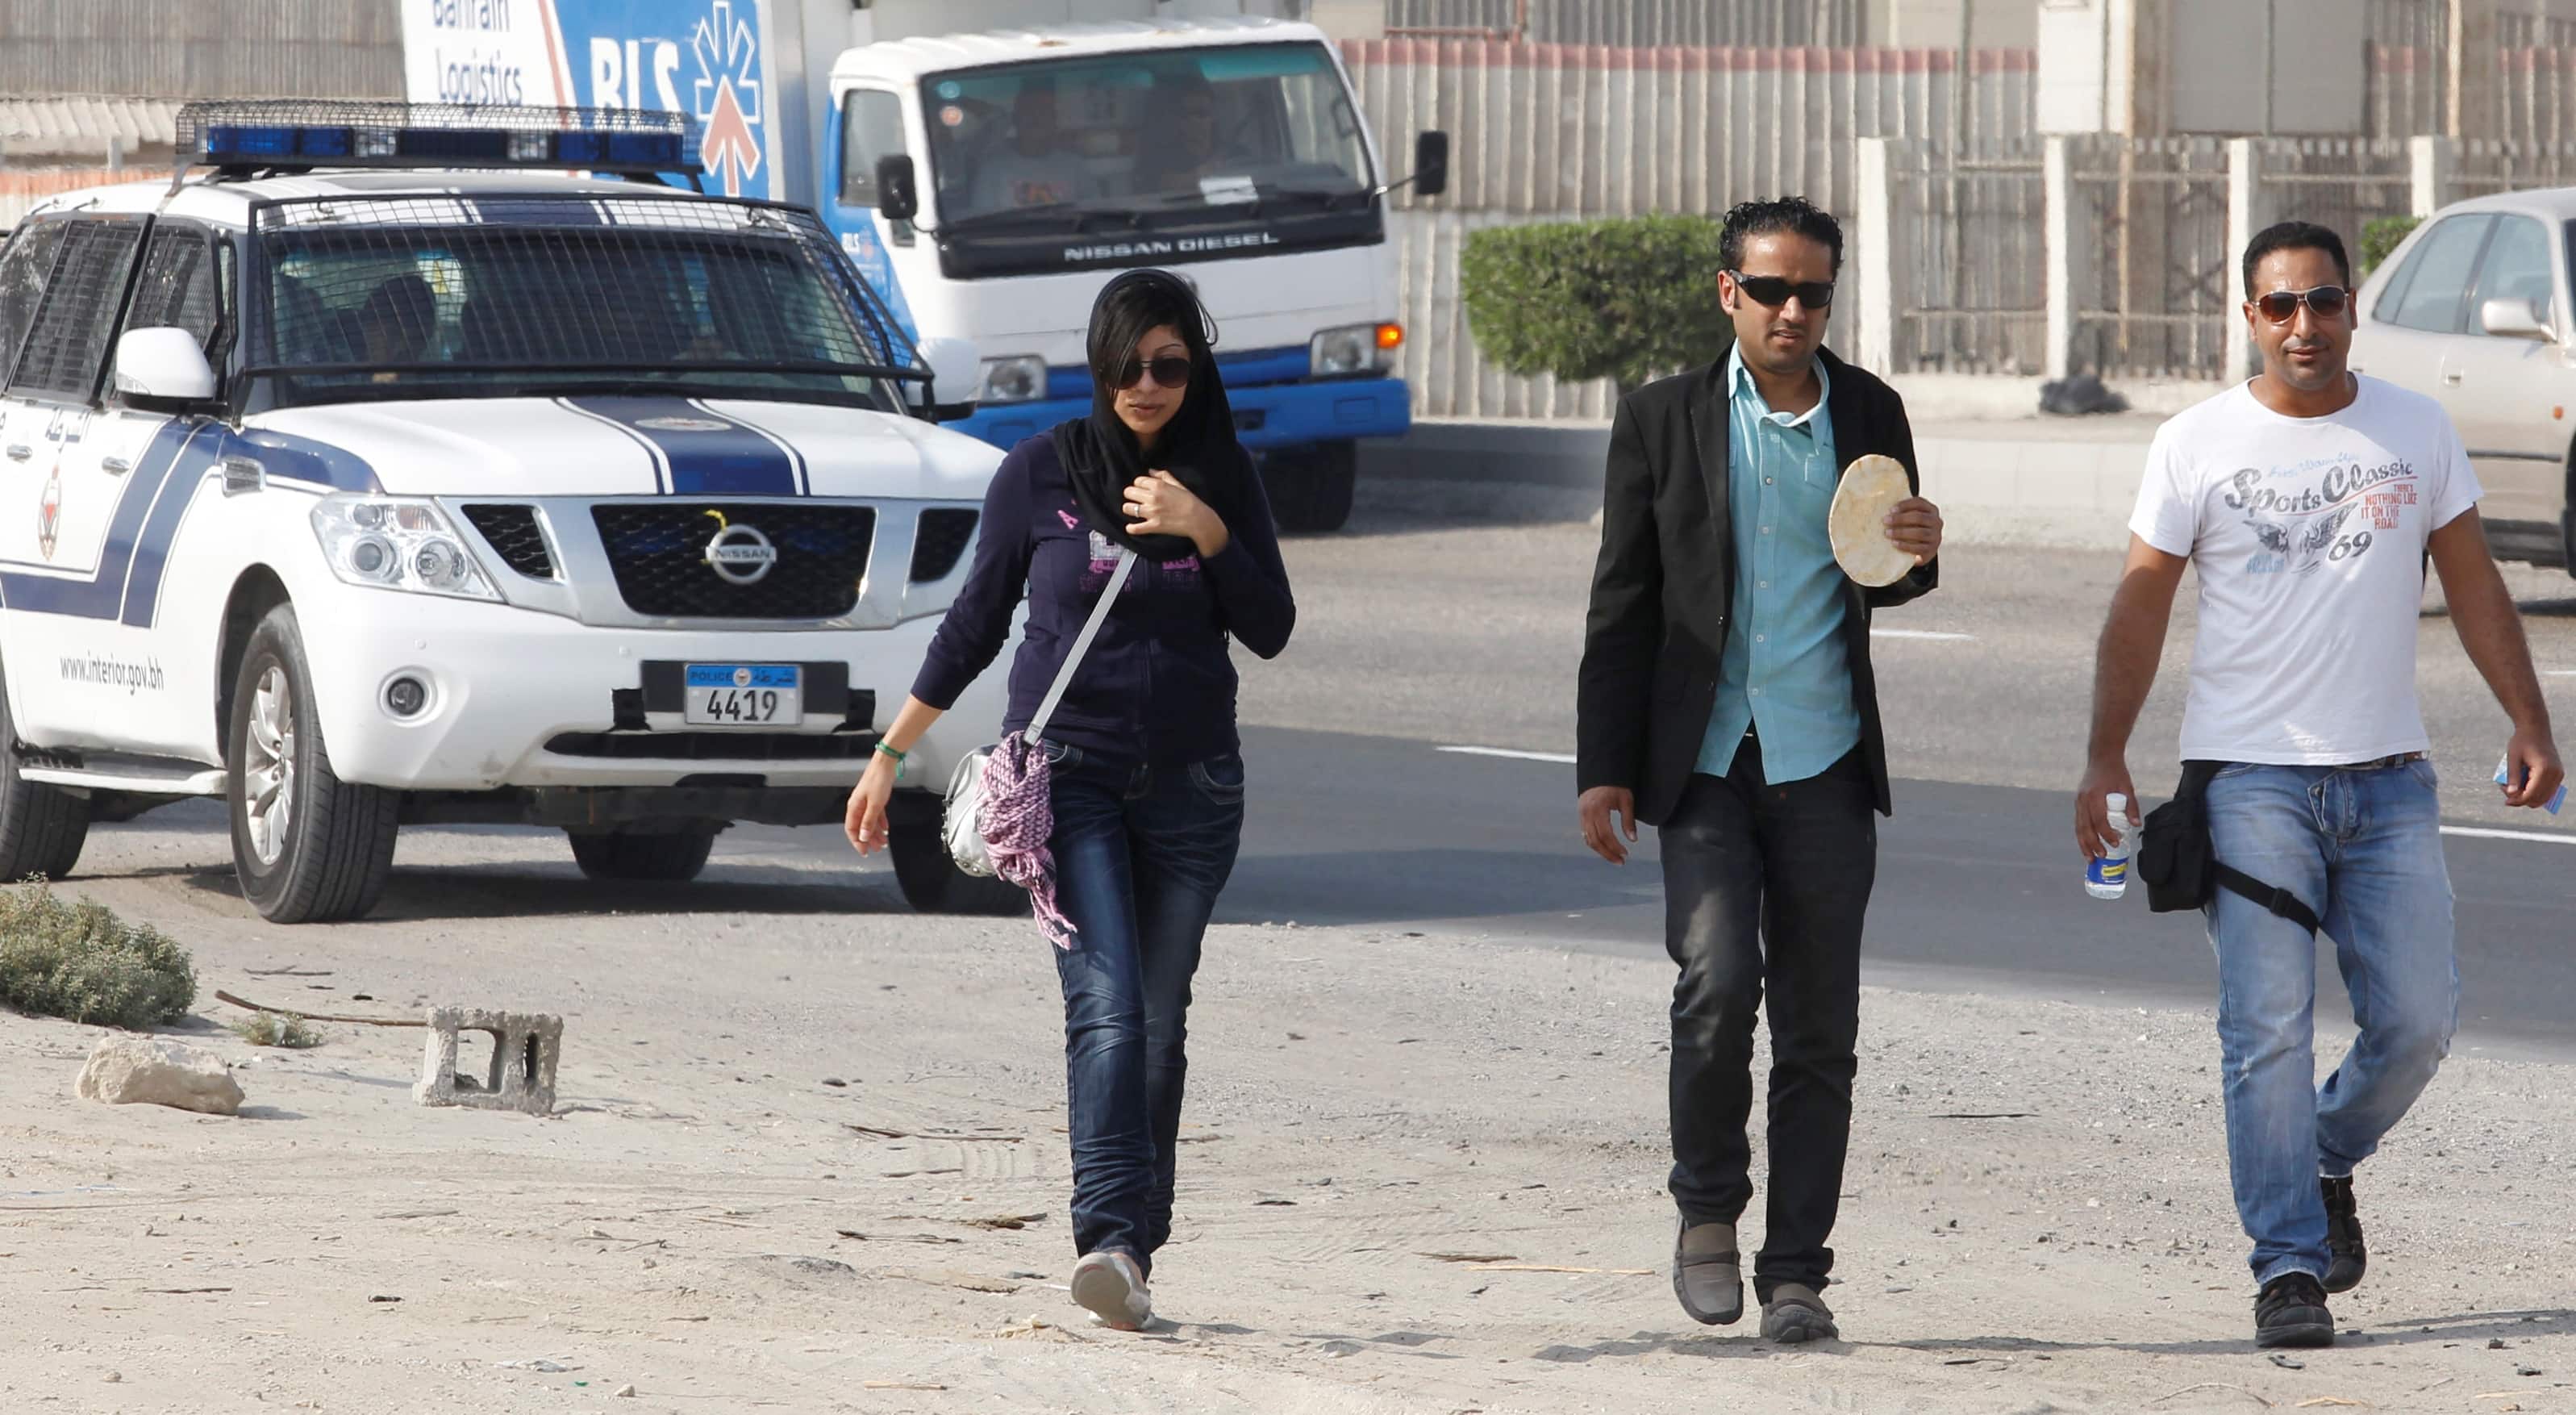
(241, 136)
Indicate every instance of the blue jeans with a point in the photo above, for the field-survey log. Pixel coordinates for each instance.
(2364, 849)
(1140, 855)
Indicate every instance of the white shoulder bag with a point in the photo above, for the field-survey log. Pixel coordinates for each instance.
(963, 825)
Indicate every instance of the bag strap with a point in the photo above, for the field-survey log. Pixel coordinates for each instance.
(1081, 646)
(2196, 776)
(2279, 901)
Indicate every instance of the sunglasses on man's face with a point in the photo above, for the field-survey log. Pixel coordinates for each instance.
(1772, 292)
(1169, 371)
(2282, 306)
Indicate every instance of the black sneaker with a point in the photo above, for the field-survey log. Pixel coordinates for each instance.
(2292, 1312)
(2348, 1256)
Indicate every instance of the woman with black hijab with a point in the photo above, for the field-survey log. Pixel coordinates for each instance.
(1145, 771)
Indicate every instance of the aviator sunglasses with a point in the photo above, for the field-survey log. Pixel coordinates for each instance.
(2282, 306)
(1772, 292)
(1169, 371)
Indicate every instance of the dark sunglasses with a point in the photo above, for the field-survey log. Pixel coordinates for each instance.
(2282, 306)
(1170, 371)
(1772, 292)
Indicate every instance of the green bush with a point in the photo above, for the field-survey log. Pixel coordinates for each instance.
(2379, 237)
(79, 961)
(1628, 300)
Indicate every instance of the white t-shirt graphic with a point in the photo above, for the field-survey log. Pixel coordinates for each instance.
(2308, 538)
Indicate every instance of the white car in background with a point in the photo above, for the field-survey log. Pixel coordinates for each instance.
(2475, 311)
(363, 495)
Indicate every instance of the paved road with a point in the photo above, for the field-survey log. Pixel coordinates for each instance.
(1977, 885)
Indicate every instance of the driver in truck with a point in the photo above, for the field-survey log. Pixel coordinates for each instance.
(1034, 170)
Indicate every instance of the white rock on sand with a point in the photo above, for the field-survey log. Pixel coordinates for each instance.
(151, 1071)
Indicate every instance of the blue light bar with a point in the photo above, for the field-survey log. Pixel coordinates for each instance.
(291, 133)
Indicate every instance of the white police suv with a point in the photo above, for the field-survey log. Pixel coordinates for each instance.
(362, 482)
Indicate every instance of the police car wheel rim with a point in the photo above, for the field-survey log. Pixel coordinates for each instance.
(268, 778)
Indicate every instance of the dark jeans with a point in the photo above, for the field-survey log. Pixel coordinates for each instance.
(1764, 886)
(1140, 854)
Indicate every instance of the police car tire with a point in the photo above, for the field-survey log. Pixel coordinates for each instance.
(339, 847)
(931, 881)
(1311, 487)
(671, 857)
(42, 828)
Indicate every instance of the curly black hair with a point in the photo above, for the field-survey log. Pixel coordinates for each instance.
(1790, 215)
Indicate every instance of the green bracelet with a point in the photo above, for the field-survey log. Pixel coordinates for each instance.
(884, 750)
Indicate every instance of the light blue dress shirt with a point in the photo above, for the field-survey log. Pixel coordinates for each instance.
(1784, 673)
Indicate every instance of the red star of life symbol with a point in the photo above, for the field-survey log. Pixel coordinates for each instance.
(728, 95)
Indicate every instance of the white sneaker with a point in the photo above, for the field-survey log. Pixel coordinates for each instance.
(1109, 1285)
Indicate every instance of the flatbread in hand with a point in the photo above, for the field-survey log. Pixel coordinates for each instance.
(1871, 487)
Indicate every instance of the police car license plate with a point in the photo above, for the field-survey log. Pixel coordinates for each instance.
(744, 695)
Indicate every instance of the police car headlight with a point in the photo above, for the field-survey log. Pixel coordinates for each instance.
(1015, 380)
(391, 543)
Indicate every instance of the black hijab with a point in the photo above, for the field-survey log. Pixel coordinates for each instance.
(1101, 456)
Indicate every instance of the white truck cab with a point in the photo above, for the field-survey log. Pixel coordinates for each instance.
(363, 483)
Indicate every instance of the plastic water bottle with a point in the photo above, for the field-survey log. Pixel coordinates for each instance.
(2108, 878)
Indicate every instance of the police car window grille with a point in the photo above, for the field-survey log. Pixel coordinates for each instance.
(529, 283)
(26, 268)
(178, 288)
(67, 343)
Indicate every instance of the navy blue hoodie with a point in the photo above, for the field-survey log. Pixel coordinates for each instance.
(1156, 686)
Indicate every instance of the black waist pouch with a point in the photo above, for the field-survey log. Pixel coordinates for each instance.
(2175, 860)
(2180, 866)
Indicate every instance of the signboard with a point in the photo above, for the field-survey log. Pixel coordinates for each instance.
(705, 58)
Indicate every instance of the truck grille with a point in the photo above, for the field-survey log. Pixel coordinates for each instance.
(944, 534)
(660, 553)
(513, 531)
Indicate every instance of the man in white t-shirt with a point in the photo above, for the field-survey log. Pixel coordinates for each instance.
(2308, 500)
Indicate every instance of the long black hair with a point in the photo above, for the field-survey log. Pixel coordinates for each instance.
(1198, 447)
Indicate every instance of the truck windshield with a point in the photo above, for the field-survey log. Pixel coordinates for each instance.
(1163, 133)
(499, 297)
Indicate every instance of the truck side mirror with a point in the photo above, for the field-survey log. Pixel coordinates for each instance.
(1430, 163)
(897, 199)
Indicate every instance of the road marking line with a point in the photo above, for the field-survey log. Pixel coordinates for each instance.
(1922, 634)
(2560, 673)
(2474, 832)
(1553, 758)
(2545, 837)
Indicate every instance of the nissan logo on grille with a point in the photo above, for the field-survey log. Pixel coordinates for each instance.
(740, 555)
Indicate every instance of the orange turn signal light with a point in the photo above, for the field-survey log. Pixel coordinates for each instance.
(1390, 336)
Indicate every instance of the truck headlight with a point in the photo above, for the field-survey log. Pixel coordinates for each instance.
(1021, 378)
(1354, 349)
(393, 543)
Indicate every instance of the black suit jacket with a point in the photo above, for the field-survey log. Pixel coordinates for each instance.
(1664, 586)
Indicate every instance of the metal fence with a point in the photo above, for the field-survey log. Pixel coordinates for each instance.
(2150, 288)
(1968, 259)
(1548, 132)
(1644, 22)
(201, 48)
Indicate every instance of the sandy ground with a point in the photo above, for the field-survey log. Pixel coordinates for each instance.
(708, 1223)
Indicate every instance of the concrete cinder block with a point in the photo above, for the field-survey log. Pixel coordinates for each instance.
(525, 1048)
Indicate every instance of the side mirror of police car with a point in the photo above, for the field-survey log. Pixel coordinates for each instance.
(163, 366)
(897, 197)
(956, 376)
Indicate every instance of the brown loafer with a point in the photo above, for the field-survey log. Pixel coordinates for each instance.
(1795, 1314)
(1708, 1276)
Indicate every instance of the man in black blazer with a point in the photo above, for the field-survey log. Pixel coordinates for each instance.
(1726, 698)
